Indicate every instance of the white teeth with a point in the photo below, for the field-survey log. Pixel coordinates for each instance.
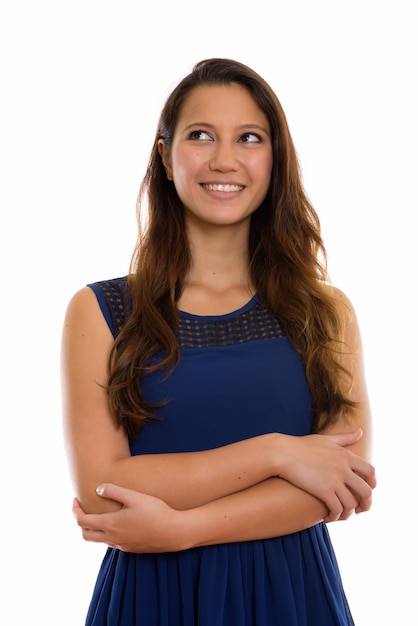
(226, 188)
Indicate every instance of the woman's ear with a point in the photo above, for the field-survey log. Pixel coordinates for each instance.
(165, 157)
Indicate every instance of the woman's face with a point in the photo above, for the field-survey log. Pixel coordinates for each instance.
(221, 155)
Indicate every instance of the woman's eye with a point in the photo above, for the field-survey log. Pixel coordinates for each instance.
(250, 138)
(201, 135)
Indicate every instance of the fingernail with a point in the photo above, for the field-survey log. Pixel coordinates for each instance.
(100, 490)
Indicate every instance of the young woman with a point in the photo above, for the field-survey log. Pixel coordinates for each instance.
(215, 406)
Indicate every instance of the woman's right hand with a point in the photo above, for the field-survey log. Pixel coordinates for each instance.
(323, 466)
(142, 524)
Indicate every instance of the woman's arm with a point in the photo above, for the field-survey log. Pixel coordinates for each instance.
(147, 524)
(274, 506)
(356, 388)
(98, 451)
(271, 508)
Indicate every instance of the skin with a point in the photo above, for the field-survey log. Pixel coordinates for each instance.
(262, 487)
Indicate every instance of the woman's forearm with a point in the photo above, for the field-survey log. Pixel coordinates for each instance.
(270, 509)
(315, 464)
(147, 524)
(188, 480)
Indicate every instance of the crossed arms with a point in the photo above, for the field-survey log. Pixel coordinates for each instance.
(266, 486)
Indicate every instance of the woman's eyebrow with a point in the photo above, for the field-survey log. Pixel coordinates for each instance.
(240, 127)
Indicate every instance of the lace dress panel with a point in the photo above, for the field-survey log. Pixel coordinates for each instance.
(254, 323)
(118, 299)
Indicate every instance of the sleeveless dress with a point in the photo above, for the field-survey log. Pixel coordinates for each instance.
(238, 377)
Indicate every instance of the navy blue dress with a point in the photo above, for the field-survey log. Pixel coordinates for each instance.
(238, 377)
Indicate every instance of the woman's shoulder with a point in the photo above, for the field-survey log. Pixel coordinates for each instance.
(347, 316)
(340, 299)
(111, 297)
(110, 286)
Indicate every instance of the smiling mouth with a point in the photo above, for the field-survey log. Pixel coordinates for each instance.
(225, 188)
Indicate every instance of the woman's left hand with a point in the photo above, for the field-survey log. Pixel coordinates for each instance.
(143, 523)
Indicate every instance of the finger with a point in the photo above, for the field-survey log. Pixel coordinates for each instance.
(347, 439)
(335, 508)
(344, 515)
(93, 521)
(349, 502)
(344, 504)
(77, 510)
(365, 502)
(360, 491)
(360, 488)
(95, 536)
(368, 474)
(364, 505)
(364, 469)
(87, 521)
(117, 493)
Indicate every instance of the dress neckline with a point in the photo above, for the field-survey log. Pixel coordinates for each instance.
(243, 309)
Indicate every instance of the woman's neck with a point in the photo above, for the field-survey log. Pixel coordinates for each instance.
(218, 281)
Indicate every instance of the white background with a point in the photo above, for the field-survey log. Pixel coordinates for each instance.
(82, 85)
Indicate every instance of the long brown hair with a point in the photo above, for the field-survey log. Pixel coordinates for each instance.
(287, 265)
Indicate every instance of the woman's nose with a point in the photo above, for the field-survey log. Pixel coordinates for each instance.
(224, 157)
